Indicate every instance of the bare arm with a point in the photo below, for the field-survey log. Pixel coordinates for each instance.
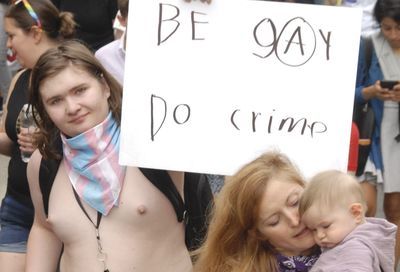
(44, 248)
(5, 142)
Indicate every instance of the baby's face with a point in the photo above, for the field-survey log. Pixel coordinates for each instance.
(329, 226)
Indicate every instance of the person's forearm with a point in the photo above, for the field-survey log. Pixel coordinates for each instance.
(5, 144)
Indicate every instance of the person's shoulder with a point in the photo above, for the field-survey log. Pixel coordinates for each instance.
(108, 49)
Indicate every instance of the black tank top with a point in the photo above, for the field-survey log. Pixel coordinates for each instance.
(17, 184)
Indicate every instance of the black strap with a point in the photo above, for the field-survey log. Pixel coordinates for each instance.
(103, 256)
(162, 180)
(368, 47)
(47, 174)
(99, 215)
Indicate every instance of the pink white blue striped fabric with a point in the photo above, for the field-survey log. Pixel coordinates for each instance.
(91, 160)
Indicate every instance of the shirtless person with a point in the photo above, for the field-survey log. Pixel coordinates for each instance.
(99, 216)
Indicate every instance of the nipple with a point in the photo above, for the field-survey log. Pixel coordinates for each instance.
(141, 209)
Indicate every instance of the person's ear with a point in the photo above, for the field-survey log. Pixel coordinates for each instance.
(36, 33)
(356, 210)
(107, 90)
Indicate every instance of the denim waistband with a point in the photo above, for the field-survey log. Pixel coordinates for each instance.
(15, 212)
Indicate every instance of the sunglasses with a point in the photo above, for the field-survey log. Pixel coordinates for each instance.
(31, 12)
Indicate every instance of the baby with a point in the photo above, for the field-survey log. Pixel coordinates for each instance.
(333, 207)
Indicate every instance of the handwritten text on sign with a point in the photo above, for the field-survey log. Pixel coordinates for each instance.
(210, 87)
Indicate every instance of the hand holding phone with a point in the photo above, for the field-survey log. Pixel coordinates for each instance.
(388, 84)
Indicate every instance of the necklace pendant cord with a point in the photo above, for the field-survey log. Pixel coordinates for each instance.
(101, 256)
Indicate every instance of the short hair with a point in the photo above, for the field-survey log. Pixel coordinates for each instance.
(330, 189)
(387, 8)
(123, 6)
(50, 64)
(55, 24)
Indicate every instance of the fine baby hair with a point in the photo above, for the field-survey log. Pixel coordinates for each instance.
(331, 189)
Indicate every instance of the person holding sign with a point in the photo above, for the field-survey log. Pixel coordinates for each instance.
(256, 225)
(383, 63)
(95, 213)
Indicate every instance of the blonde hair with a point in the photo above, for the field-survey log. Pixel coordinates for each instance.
(233, 243)
(331, 189)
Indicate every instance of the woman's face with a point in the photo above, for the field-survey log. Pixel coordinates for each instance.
(20, 42)
(75, 100)
(391, 31)
(279, 220)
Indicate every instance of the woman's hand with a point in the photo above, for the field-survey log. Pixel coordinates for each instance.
(26, 140)
(395, 92)
(376, 91)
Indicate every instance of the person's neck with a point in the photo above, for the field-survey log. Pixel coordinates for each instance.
(42, 48)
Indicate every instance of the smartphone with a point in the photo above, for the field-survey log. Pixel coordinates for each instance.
(388, 84)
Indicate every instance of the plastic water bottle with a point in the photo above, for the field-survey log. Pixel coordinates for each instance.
(26, 121)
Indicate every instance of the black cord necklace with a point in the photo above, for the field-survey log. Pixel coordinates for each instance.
(101, 255)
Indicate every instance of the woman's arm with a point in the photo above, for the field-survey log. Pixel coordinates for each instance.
(5, 142)
(44, 248)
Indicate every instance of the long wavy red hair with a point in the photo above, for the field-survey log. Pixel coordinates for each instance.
(233, 243)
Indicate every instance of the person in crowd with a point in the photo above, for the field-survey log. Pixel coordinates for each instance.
(99, 215)
(33, 27)
(384, 64)
(94, 18)
(369, 25)
(5, 74)
(255, 224)
(332, 207)
(112, 55)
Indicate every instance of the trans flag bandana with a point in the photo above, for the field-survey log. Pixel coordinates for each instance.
(91, 161)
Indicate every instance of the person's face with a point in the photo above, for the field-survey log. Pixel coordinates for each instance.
(20, 42)
(329, 226)
(75, 100)
(391, 31)
(279, 221)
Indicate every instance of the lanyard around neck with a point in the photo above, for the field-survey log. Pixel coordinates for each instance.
(101, 255)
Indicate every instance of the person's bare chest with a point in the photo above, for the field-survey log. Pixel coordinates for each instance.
(132, 231)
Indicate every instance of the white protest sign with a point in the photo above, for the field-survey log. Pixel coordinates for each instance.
(210, 87)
